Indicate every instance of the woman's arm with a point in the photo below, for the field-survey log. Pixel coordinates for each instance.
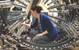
(43, 33)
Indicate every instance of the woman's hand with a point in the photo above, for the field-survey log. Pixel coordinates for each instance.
(25, 24)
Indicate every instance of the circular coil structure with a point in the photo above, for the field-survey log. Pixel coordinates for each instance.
(68, 29)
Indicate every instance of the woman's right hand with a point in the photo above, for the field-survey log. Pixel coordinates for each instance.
(25, 24)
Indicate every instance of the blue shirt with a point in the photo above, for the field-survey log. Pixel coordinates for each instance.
(47, 25)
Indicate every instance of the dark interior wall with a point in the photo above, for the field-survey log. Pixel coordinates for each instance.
(3, 18)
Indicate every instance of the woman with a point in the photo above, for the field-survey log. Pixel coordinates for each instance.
(47, 31)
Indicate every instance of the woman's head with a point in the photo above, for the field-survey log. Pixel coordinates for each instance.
(35, 10)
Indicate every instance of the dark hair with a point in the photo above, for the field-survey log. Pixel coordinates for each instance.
(37, 8)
